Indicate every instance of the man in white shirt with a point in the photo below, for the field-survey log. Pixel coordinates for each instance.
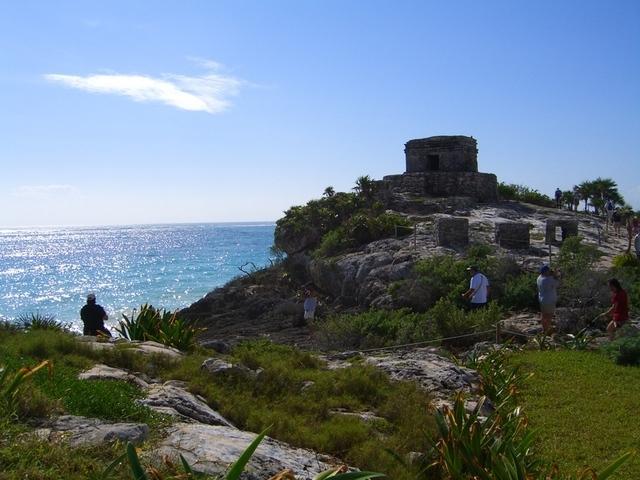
(478, 288)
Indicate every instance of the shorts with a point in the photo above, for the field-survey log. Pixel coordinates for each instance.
(548, 308)
(309, 314)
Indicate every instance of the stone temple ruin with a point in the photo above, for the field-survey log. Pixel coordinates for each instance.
(443, 166)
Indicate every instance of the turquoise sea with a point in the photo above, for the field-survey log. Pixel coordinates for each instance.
(50, 270)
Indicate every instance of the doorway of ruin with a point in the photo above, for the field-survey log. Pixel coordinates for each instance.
(433, 162)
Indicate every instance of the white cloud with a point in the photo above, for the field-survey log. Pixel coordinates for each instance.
(44, 191)
(209, 92)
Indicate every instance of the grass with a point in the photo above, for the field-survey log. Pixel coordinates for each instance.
(583, 408)
(303, 417)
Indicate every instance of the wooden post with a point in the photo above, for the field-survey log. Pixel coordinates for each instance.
(415, 236)
(549, 255)
(498, 335)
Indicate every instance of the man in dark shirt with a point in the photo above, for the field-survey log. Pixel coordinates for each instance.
(93, 317)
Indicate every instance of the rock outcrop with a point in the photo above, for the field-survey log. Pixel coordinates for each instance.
(211, 449)
(81, 431)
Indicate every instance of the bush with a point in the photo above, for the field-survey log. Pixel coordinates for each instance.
(375, 328)
(360, 229)
(626, 349)
(159, 326)
(520, 292)
(525, 194)
(453, 321)
(626, 261)
(582, 286)
(39, 321)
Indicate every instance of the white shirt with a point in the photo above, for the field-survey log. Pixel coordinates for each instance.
(479, 283)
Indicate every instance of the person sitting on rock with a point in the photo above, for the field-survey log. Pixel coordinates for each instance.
(478, 288)
(93, 317)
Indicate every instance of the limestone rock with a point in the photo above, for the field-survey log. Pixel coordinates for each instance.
(216, 366)
(211, 449)
(144, 348)
(169, 397)
(81, 431)
(217, 346)
(104, 372)
(436, 374)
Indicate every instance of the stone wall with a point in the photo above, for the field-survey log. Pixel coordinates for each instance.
(513, 235)
(483, 187)
(568, 228)
(452, 232)
(452, 153)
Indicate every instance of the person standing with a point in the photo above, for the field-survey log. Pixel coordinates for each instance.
(619, 309)
(558, 196)
(608, 209)
(478, 291)
(547, 283)
(93, 317)
(310, 305)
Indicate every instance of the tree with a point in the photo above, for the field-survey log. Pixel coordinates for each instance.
(329, 192)
(365, 187)
(585, 191)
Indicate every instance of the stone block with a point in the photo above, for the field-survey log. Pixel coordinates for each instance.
(512, 235)
(452, 232)
(557, 230)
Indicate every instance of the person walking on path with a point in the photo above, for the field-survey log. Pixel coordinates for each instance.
(547, 283)
(478, 291)
(619, 309)
(558, 196)
(310, 305)
(617, 221)
(608, 209)
(93, 317)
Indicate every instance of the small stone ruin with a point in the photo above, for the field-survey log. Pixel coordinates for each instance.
(452, 232)
(442, 166)
(558, 230)
(513, 235)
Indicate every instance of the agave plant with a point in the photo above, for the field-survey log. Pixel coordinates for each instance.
(39, 321)
(160, 326)
(11, 383)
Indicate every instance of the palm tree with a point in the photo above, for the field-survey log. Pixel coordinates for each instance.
(329, 192)
(365, 187)
(585, 191)
(568, 197)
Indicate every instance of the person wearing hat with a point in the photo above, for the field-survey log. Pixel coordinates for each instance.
(93, 317)
(547, 283)
(478, 288)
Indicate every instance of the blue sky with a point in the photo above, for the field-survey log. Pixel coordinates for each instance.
(143, 112)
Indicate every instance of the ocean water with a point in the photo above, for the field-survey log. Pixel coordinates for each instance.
(51, 270)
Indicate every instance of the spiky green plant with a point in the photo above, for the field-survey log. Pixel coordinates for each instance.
(39, 321)
(11, 382)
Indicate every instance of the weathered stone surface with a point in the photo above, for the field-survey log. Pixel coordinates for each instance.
(81, 431)
(436, 374)
(104, 372)
(211, 449)
(163, 397)
(567, 228)
(452, 231)
(446, 153)
(513, 235)
(217, 346)
(482, 187)
(216, 366)
(144, 348)
(366, 416)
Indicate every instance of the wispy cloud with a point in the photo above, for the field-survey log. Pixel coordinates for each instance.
(44, 191)
(209, 92)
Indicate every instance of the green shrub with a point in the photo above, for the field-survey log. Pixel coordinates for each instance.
(625, 350)
(360, 229)
(520, 292)
(453, 321)
(582, 285)
(159, 326)
(525, 194)
(39, 321)
(626, 261)
(375, 328)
